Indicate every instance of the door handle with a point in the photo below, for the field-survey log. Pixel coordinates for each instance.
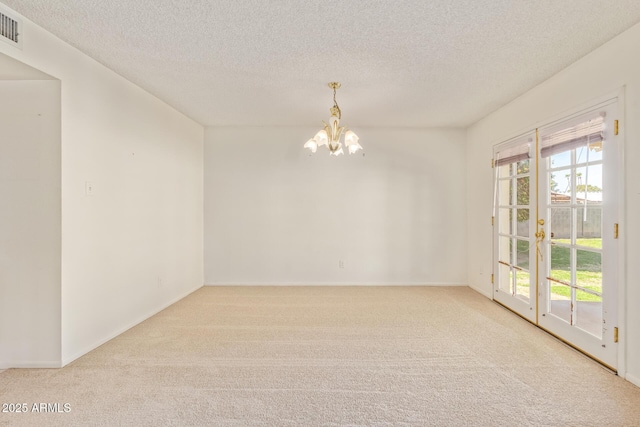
(540, 235)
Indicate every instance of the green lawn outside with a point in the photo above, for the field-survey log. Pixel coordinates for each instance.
(586, 279)
(589, 275)
(589, 243)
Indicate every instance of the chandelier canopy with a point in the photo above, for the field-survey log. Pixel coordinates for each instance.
(332, 132)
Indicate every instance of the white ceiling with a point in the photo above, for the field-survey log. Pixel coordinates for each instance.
(413, 63)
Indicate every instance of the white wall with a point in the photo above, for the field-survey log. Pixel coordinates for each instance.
(274, 214)
(135, 245)
(30, 223)
(604, 71)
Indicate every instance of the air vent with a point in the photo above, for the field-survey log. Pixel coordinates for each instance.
(10, 29)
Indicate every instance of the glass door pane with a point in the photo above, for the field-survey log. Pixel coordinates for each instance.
(574, 212)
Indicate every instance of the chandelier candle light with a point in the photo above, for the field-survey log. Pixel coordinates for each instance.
(330, 135)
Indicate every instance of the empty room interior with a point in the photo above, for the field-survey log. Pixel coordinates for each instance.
(319, 213)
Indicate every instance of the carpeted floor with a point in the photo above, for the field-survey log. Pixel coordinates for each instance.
(306, 356)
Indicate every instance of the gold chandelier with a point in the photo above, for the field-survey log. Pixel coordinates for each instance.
(332, 132)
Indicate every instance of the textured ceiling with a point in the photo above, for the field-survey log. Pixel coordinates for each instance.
(412, 63)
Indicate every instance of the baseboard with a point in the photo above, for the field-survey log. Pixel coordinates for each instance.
(67, 360)
(332, 284)
(47, 364)
(482, 292)
(632, 379)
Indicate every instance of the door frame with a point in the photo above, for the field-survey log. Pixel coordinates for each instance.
(622, 324)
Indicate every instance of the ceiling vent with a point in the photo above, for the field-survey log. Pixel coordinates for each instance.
(10, 29)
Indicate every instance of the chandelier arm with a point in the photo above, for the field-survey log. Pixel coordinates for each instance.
(327, 129)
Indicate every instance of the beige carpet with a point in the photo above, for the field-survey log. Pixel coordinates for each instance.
(294, 356)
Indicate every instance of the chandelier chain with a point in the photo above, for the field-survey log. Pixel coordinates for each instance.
(335, 103)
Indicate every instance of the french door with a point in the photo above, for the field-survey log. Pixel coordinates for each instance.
(555, 229)
(514, 226)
